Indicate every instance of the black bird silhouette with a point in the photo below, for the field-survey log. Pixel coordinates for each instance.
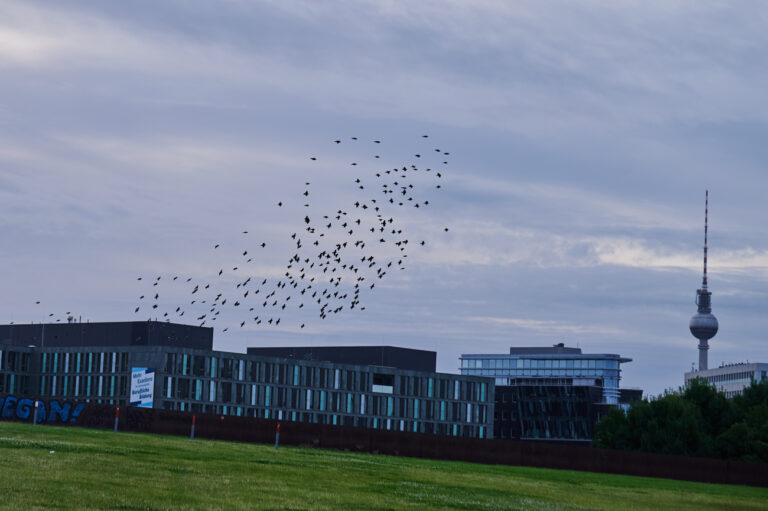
(334, 247)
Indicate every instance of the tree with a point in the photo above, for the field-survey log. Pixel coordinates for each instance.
(694, 421)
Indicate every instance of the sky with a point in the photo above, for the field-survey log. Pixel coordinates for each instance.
(134, 137)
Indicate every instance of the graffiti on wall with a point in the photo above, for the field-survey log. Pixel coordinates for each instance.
(51, 412)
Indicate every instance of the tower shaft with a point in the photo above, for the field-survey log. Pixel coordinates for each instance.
(703, 349)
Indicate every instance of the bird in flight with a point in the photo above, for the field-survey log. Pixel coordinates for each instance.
(324, 259)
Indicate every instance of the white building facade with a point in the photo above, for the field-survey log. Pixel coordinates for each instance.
(731, 379)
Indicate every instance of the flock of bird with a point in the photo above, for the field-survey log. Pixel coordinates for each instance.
(335, 258)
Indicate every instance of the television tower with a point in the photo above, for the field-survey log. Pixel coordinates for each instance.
(703, 324)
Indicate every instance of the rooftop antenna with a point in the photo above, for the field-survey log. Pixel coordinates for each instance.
(703, 324)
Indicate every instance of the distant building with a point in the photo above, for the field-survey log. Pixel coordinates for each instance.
(382, 356)
(172, 366)
(731, 379)
(555, 393)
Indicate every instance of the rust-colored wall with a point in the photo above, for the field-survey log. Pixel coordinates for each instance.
(504, 452)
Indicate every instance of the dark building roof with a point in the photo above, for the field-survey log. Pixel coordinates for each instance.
(126, 333)
(386, 356)
(557, 349)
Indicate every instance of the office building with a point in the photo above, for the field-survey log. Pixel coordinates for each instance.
(171, 366)
(555, 393)
(731, 379)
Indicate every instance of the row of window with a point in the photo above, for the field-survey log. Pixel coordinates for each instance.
(84, 362)
(15, 361)
(76, 387)
(529, 363)
(15, 384)
(390, 424)
(247, 394)
(541, 373)
(65, 362)
(242, 370)
(739, 377)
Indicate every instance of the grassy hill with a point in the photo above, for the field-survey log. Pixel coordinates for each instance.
(73, 468)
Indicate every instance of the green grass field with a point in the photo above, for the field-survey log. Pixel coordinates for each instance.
(94, 469)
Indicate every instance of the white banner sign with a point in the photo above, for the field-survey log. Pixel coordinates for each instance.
(142, 386)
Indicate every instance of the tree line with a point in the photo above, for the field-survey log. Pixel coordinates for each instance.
(696, 420)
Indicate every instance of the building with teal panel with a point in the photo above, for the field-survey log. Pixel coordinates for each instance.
(179, 370)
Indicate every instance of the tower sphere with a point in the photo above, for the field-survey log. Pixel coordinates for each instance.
(703, 326)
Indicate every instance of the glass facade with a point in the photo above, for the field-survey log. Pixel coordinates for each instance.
(327, 393)
(553, 393)
(570, 369)
(206, 381)
(535, 412)
(74, 374)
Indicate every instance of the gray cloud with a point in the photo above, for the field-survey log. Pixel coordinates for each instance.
(133, 137)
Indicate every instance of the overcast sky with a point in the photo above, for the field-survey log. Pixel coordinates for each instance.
(134, 136)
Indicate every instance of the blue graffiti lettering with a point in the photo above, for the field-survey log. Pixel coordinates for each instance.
(59, 411)
(9, 407)
(52, 412)
(76, 412)
(23, 408)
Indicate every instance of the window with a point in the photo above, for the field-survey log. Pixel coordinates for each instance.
(228, 368)
(198, 366)
(383, 383)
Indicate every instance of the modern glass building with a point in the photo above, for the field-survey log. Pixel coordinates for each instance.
(554, 393)
(557, 365)
(177, 374)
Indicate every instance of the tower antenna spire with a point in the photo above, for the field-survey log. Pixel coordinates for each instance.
(706, 226)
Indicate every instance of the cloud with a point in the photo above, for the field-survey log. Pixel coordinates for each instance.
(552, 327)
(133, 137)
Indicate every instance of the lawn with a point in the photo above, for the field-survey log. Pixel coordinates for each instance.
(46, 467)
